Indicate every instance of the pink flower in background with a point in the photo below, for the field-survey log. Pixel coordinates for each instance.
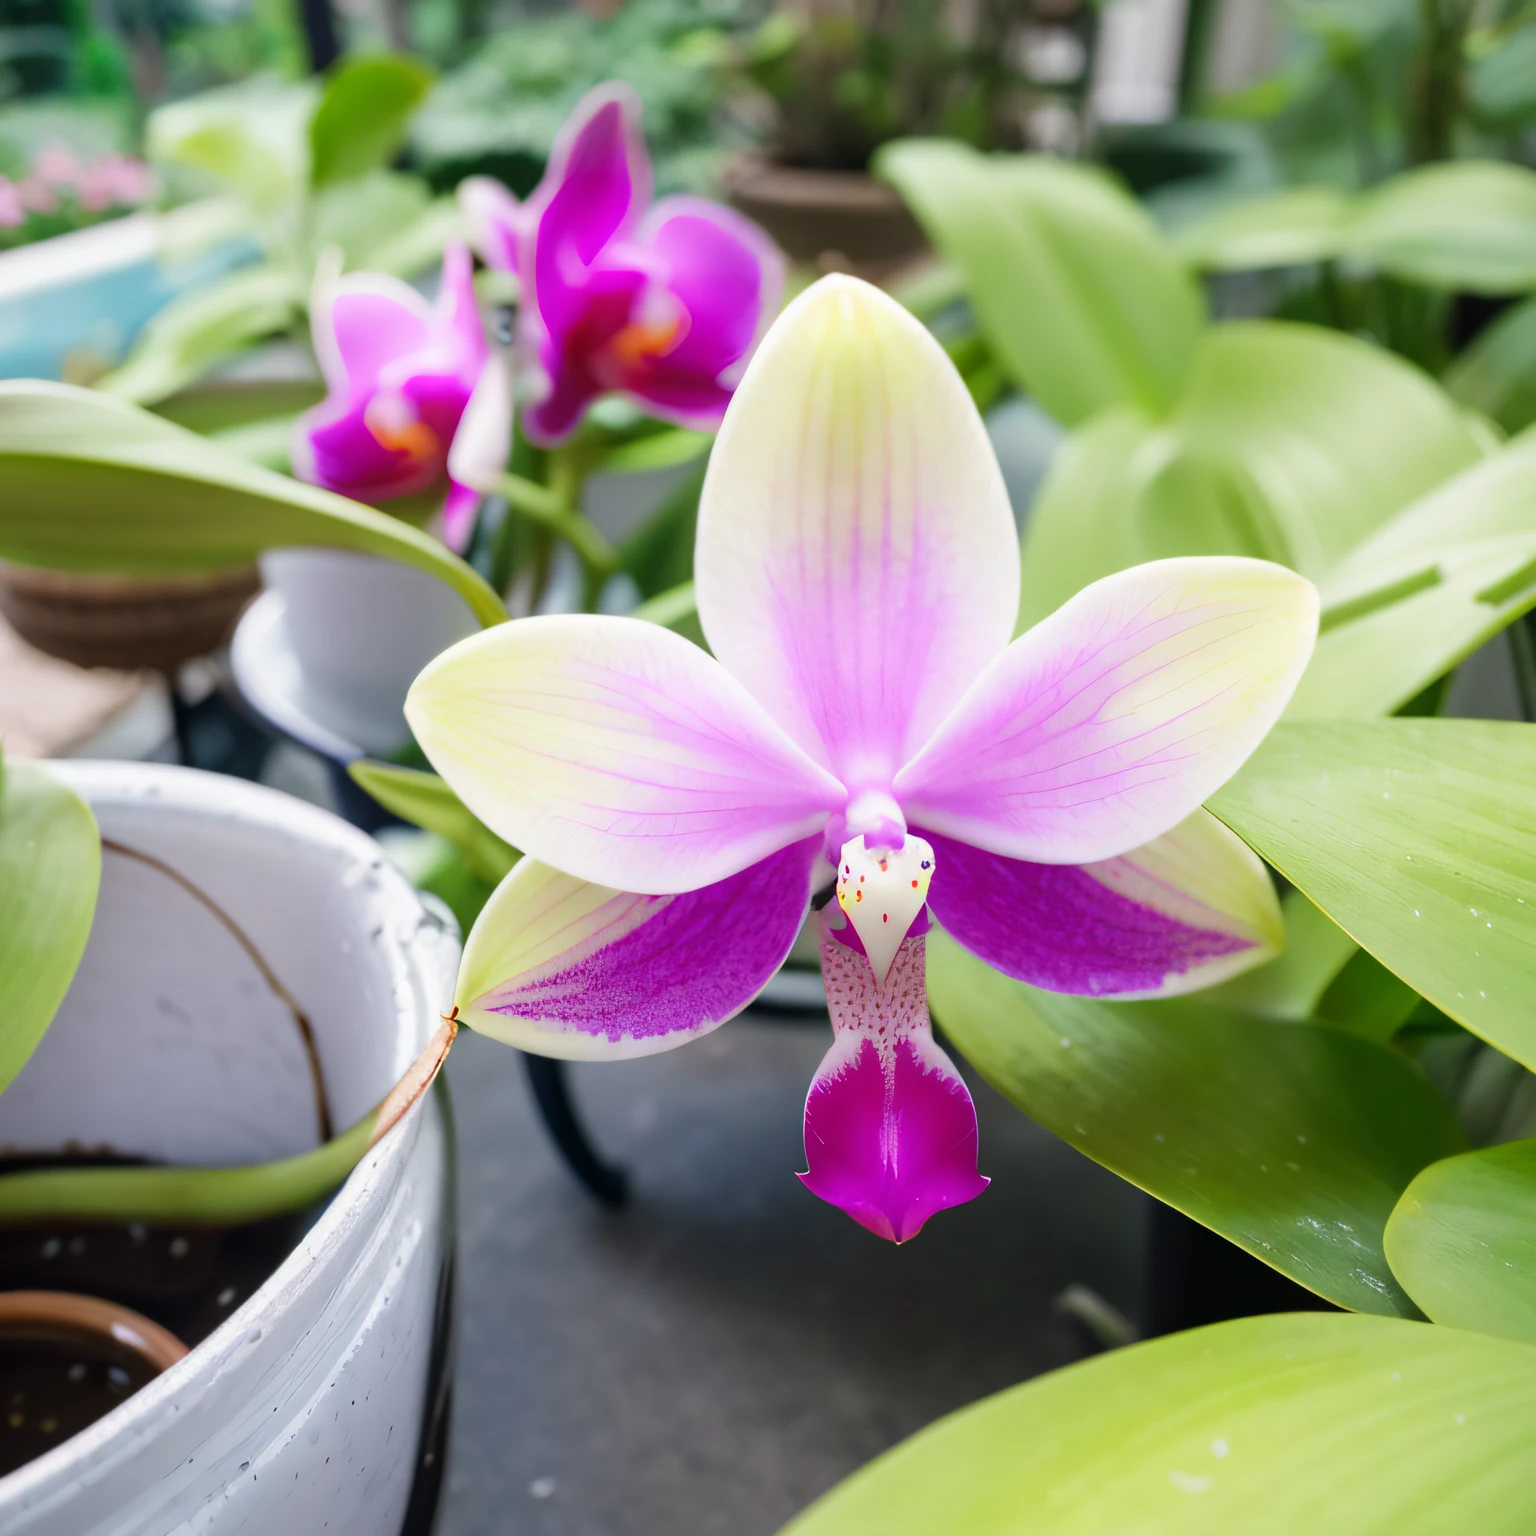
(58, 167)
(663, 303)
(864, 730)
(12, 213)
(114, 181)
(415, 394)
(36, 196)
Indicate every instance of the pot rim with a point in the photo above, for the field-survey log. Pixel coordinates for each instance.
(421, 975)
(76, 1313)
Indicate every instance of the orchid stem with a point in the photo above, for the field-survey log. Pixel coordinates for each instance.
(546, 506)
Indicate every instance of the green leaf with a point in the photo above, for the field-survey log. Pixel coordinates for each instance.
(1416, 837)
(1291, 443)
(677, 608)
(1466, 225)
(1082, 301)
(203, 327)
(252, 137)
(1497, 373)
(1265, 1427)
(371, 213)
(50, 867)
(362, 117)
(1504, 81)
(1292, 984)
(1288, 228)
(419, 243)
(1293, 1141)
(425, 800)
(1463, 1241)
(92, 483)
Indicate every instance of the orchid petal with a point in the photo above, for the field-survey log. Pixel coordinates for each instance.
(857, 562)
(483, 443)
(1109, 722)
(494, 219)
(728, 276)
(459, 508)
(616, 751)
(890, 1129)
(362, 323)
(459, 329)
(597, 183)
(1185, 911)
(563, 968)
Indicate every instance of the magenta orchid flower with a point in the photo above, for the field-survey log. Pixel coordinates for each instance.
(663, 303)
(864, 728)
(415, 394)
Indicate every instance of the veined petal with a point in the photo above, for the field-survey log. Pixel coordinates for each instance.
(890, 1129)
(597, 183)
(1185, 911)
(616, 751)
(563, 968)
(1110, 721)
(857, 563)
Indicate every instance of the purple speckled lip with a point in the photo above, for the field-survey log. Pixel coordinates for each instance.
(857, 581)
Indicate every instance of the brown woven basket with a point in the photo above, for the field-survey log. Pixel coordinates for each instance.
(125, 622)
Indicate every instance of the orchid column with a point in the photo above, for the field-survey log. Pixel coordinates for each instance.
(864, 734)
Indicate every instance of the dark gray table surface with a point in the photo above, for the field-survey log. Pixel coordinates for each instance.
(707, 1361)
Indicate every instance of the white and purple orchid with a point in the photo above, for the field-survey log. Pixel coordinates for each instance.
(661, 302)
(415, 394)
(864, 728)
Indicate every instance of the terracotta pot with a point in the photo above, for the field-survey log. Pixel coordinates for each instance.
(65, 1362)
(125, 622)
(836, 219)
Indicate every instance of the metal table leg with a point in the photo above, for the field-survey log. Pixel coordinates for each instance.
(608, 1183)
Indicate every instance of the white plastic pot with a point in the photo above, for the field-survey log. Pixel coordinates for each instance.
(359, 628)
(313, 1407)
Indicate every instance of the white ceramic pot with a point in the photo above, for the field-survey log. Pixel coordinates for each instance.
(314, 1405)
(359, 629)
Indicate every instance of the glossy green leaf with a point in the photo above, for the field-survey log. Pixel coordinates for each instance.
(50, 867)
(362, 117)
(203, 327)
(1267, 1426)
(1466, 225)
(92, 483)
(1291, 443)
(1462, 1241)
(1497, 373)
(1082, 301)
(1416, 837)
(1292, 984)
(1287, 228)
(425, 800)
(1292, 1140)
(1469, 225)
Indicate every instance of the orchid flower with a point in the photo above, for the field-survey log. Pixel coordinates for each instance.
(664, 304)
(864, 729)
(415, 393)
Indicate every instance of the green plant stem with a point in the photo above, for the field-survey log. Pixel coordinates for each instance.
(1438, 89)
(555, 507)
